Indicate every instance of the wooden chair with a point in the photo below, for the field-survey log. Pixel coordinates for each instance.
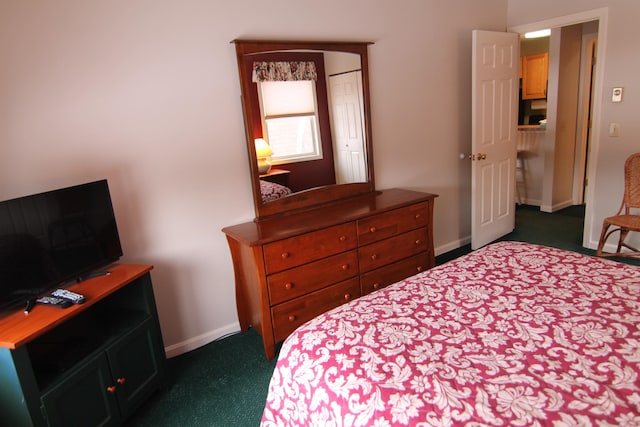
(625, 220)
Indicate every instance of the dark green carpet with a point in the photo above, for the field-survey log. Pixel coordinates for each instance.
(225, 383)
(561, 229)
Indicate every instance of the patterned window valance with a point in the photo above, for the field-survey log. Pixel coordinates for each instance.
(284, 71)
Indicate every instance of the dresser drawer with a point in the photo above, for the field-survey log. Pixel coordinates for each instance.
(297, 281)
(299, 250)
(289, 315)
(390, 223)
(384, 276)
(393, 249)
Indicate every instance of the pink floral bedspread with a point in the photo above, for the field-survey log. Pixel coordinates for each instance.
(271, 191)
(512, 334)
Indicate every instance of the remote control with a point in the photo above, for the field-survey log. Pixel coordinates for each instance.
(55, 301)
(72, 296)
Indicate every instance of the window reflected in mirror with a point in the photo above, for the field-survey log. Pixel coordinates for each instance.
(290, 120)
(311, 114)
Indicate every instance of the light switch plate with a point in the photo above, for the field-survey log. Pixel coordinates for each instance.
(614, 129)
(616, 96)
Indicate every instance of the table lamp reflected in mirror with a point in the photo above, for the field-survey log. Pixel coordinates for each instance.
(263, 151)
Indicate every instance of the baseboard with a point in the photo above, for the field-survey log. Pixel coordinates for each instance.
(196, 342)
(556, 207)
(531, 202)
(608, 247)
(611, 246)
(443, 249)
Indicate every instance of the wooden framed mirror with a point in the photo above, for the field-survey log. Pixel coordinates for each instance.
(303, 154)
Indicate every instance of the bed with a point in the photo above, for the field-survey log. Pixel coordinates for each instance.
(511, 334)
(272, 191)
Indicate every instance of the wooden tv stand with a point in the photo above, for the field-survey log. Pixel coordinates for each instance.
(89, 364)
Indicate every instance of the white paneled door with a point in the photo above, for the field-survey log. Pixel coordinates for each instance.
(495, 62)
(348, 127)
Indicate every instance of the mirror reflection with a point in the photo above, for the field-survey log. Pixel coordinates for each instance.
(305, 112)
(311, 130)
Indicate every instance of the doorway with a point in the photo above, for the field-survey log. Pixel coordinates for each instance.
(567, 169)
(554, 156)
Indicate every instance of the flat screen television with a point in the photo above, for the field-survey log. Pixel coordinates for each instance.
(51, 238)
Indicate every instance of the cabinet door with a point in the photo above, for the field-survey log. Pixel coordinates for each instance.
(535, 72)
(82, 399)
(134, 362)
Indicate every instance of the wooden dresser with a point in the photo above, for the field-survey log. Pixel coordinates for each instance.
(291, 268)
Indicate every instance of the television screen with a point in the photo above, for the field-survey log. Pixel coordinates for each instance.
(50, 238)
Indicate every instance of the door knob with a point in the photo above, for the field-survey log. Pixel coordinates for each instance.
(479, 156)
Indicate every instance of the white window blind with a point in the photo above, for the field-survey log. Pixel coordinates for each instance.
(286, 98)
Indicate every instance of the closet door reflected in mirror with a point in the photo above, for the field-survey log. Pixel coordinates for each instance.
(306, 111)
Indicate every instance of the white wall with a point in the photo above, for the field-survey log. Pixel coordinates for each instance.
(621, 67)
(146, 94)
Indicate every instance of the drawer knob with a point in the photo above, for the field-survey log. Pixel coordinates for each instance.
(417, 241)
(347, 297)
(285, 255)
(288, 286)
(418, 216)
(343, 238)
(345, 267)
(111, 389)
(121, 381)
(419, 269)
(372, 229)
(374, 257)
(292, 318)
(376, 286)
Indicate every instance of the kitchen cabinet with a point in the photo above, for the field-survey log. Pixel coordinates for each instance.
(535, 72)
